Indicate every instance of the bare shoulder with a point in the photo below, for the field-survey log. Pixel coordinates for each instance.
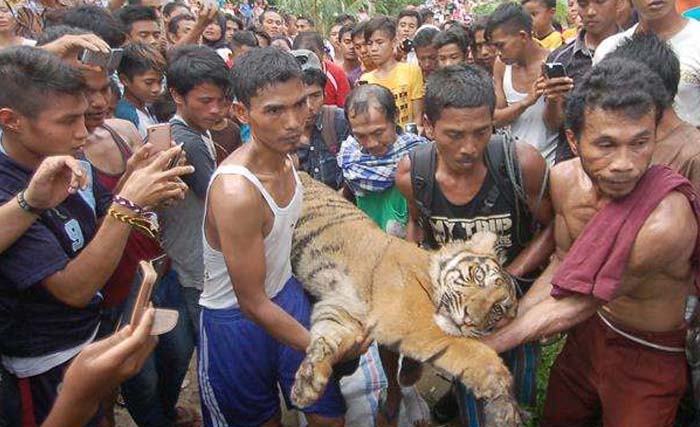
(667, 237)
(563, 177)
(126, 130)
(234, 196)
(531, 163)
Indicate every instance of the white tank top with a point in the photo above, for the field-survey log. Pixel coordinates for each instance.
(530, 127)
(218, 291)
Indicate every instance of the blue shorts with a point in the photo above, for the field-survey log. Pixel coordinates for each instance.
(241, 365)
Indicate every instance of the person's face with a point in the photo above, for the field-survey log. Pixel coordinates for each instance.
(146, 87)
(333, 35)
(314, 98)
(572, 17)
(381, 47)
(373, 131)
(283, 104)
(180, 10)
(348, 48)
(8, 23)
(203, 106)
(650, 10)
(231, 29)
(183, 28)
(291, 26)
(146, 32)
(450, 54)
(541, 16)
(508, 47)
(98, 95)
(615, 150)
(598, 16)
(407, 27)
(483, 51)
(212, 32)
(262, 41)
(362, 51)
(624, 14)
(59, 129)
(461, 136)
(427, 59)
(272, 24)
(303, 26)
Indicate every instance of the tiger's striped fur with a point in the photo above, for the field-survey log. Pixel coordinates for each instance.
(424, 305)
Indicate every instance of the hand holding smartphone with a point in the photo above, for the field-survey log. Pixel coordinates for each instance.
(553, 70)
(165, 319)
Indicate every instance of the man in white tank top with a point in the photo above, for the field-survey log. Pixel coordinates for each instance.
(515, 74)
(255, 317)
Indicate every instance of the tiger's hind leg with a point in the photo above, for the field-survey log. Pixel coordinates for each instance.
(337, 320)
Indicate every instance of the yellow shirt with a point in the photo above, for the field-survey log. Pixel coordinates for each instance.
(552, 41)
(569, 34)
(405, 81)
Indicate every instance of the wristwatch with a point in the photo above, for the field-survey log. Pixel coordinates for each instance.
(26, 206)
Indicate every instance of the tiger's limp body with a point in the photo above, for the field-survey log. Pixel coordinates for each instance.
(365, 278)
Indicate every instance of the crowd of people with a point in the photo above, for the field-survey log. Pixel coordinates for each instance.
(575, 142)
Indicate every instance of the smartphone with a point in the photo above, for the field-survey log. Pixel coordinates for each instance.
(160, 136)
(135, 312)
(108, 61)
(407, 45)
(554, 70)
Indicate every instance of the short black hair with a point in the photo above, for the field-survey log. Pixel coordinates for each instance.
(271, 9)
(259, 68)
(309, 40)
(479, 24)
(344, 19)
(260, 33)
(412, 13)
(30, 76)
(511, 17)
(244, 38)
(314, 77)
(616, 84)
(458, 86)
(656, 54)
(190, 66)
(96, 20)
(549, 4)
(426, 13)
(363, 97)
(454, 35)
(424, 37)
(380, 23)
(130, 14)
(311, 22)
(169, 8)
(284, 39)
(55, 32)
(358, 30)
(235, 20)
(347, 28)
(175, 22)
(139, 58)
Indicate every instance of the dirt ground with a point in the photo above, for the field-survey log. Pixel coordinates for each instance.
(431, 386)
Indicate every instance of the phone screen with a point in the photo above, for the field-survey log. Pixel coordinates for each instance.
(554, 70)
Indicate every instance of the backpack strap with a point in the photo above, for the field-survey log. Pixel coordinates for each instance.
(423, 162)
(328, 131)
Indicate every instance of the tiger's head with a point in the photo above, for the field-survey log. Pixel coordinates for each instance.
(471, 291)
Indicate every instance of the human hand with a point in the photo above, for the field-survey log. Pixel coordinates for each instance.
(55, 179)
(69, 47)
(555, 89)
(152, 184)
(206, 15)
(536, 91)
(100, 368)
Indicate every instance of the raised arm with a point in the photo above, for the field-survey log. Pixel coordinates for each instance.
(505, 113)
(403, 182)
(241, 242)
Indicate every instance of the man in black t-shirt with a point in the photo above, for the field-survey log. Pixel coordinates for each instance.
(457, 186)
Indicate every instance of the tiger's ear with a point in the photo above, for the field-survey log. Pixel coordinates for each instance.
(484, 242)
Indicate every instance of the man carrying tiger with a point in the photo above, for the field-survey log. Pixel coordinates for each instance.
(255, 314)
(626, 260)
(471, 180)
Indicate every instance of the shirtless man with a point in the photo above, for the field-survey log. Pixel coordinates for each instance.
(255, 315)
(626, 360)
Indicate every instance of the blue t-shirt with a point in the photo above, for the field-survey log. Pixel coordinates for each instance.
(32, 321)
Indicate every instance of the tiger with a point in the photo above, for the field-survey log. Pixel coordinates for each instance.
(426, 305)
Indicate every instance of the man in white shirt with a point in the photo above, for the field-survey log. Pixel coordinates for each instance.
(661, 17)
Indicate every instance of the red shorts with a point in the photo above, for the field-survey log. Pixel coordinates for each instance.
(601, 374)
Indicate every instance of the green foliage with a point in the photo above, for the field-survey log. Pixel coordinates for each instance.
(549, 355)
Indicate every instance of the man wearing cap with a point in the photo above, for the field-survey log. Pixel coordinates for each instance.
(325, 127)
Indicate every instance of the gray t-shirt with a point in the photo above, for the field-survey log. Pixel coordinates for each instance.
(182, 222)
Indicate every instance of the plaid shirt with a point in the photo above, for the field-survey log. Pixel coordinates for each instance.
(317, 160)
(364, 172)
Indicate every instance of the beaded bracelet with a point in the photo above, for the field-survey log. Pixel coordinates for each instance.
(123, 201)
(22, 202)
(145, 224)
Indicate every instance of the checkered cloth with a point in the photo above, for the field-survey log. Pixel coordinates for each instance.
(365, 173)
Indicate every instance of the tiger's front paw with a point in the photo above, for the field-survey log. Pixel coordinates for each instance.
(502, 411)
(313, 374)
